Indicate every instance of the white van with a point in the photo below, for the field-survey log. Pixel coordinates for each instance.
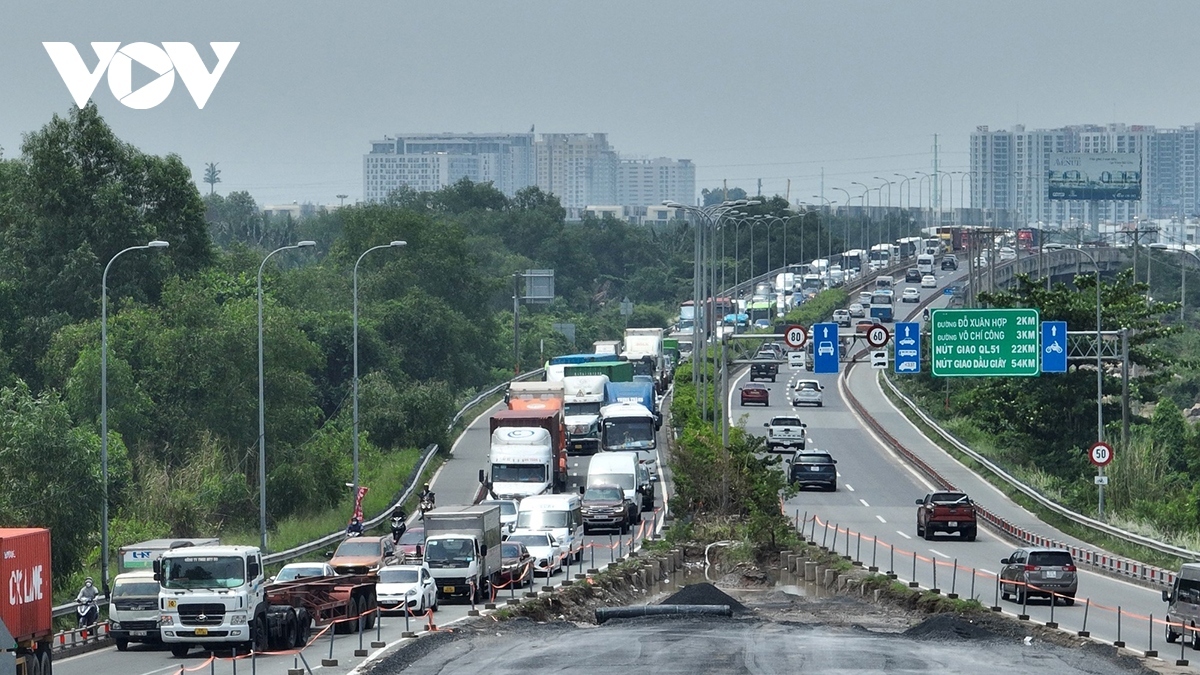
(925, 264)
(133, 609)
(560, 515)
(620, 469)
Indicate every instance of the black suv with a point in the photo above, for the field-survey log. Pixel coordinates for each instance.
(813, 469)
(912, 276)
(763, 369)
(949, 263)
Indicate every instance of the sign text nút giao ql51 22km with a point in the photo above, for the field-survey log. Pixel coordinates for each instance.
(984, 342)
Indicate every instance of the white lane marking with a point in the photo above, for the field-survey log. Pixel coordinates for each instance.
(843, 388)
(903, 535)
(849, 487)
(864, 502)
(880, 518)
(937, 552)
(987, 571)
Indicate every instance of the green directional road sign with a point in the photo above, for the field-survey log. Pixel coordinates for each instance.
(984, 342)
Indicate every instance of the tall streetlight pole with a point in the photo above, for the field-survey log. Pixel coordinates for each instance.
(889, 203)
(104, 406)
(900, 191)
(866, 202)
(1099, 369)
(262, 430)
(948, 175)
(394, 244)
(921, 197)
(829, 230)
(847, 202)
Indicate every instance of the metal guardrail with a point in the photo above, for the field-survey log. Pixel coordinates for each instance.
(1045, 502)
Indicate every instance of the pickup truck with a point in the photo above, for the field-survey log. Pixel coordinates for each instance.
(763, 369)
(841, 317)
(785, 432)
(946, 512)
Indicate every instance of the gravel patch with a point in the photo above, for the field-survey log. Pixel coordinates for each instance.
(704, 594)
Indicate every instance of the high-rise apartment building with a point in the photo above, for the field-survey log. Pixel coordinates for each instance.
(427, 162)
(650, 182)
(1009, 171)
(580, 169)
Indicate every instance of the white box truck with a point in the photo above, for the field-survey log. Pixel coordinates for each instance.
(462, 549)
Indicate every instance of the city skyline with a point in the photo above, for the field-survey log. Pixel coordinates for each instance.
(843, 91)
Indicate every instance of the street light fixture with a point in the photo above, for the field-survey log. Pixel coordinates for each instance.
(262, 433)
(157, 243)
(394, 244)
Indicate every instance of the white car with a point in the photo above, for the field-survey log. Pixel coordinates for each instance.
(857, 310)
(910, 294)
(294, 571)
(808, 392)
(864, 297)
(928, 281)
(545, 549)
(411, 585)
(508, 513)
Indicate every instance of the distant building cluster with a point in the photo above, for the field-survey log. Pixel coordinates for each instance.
(582, 170)
(1010, 170)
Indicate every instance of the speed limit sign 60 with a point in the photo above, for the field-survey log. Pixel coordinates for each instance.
(878, 336)
(795, 337)
(1101, 453)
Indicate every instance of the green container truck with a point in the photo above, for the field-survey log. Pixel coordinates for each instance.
(617, 371)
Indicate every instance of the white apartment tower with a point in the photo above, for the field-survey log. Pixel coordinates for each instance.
(650, 182)
(579, 169)
(428, 162)
(1009, 169)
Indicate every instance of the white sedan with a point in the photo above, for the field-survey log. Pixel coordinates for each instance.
(547, 555)
(928, 281)
(808, 392)
(411, 585)
(911, 295)
(294, 571)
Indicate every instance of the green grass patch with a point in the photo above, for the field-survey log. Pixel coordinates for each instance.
(1102, 541)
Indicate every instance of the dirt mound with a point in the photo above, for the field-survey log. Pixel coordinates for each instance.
(703, 594)
(950, 627)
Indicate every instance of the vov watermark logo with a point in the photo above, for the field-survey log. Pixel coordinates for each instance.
(166, 61)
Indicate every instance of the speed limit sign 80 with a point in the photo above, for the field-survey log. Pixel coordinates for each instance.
(795, 337)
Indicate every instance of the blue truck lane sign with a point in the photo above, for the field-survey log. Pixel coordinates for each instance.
(826, 348)
(1054, 346)
(908, 347)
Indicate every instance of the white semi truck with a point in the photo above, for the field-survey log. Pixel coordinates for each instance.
(218, 597)
(583, 396)
(644, 349)
(521, 462)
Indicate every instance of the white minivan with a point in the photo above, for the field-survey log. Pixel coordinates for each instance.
(620, 469)
(560, 515)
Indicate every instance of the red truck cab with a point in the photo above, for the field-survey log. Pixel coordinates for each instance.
(946, 512)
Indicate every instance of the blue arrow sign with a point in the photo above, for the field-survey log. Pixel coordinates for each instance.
(826, 348)
(1054, 346)
(908, 347)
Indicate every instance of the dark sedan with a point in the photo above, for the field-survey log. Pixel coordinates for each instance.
(409, 548)
(517, 565)
(755, 393)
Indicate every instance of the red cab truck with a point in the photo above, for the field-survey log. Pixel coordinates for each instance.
(26, 624)
(550, 420)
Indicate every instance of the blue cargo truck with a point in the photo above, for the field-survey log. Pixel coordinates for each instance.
(641, 393)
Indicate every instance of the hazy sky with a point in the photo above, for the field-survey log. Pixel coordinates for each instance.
(747, 90)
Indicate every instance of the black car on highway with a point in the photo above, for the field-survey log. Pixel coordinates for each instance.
(813, 469)
(912, 276)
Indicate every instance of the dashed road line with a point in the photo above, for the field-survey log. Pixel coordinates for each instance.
(849, 487)
(864, 502)
(937, 552)
(903, 535)
(880, 518)
(987, 571)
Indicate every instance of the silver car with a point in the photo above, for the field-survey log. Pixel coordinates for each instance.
(1048, 572)
(857, 310)
(808, 392)
(1184, 607)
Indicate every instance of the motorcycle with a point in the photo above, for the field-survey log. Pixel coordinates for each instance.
(426, 506)
(399, 527)
(87, 612)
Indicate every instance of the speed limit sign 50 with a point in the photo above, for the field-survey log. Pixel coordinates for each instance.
(1101, 453)
(795, 337)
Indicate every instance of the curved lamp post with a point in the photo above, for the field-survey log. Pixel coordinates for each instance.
(157, 243)
(1099, 368)
(262, 433)
(394, 244)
